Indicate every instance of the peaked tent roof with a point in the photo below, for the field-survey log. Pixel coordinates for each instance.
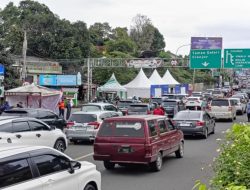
(169, 79)
(140, 81)
(112, 85)
(32, 89)
(155, 78)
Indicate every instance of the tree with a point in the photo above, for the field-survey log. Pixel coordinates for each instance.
(99, 33)
(158, 41)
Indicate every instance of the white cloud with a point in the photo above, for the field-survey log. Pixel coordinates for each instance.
(177, 20)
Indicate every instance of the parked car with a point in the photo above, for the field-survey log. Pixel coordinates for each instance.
(44, 115)
(241, 107)
(194, 122)
(100, 107)
(37, 167)
(85, 125)
(171, 106)
(123, 105)
(139, 109)
(137, 139)
(222, 109)
(31, 131)
(157, 100)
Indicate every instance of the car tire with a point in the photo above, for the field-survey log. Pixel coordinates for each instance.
(60, 145)
(109, 165)
(157, 165)
(180, 152)
(90, 187)
(205, 134)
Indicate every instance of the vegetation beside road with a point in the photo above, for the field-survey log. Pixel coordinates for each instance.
(232, 165)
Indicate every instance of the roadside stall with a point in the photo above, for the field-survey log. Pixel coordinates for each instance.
(34, 96)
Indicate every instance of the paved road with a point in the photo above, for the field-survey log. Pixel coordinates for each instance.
(176, 174)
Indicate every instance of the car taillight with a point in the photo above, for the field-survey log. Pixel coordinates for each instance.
(148, 112)
(200, 123)
(95, 124)
(230, 108)
(148, 150)
(70, 124)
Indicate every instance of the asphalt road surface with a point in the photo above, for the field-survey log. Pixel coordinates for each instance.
(176, 174)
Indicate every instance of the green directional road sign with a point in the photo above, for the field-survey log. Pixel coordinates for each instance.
(237, 58)
(205, 59)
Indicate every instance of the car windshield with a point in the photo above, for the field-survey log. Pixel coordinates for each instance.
(187, 115)
(88, 108)
(83, 118)
(124, 104)
(169, 103)
(138, 108)
(220, 103)
(122, 129)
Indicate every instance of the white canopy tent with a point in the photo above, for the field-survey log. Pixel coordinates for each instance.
(169, 79)
(112, 85)
(140, 86)
(156, 79)
(34, 96)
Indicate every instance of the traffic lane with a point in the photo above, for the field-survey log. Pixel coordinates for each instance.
(79, 150)
(176, 174)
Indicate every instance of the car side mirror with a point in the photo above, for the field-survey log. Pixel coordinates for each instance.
(102, 118)
(74, 165)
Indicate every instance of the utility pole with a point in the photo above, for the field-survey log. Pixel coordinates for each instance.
(194, 81)
(24, 68)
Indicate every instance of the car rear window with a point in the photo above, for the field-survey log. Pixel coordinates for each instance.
(192, 99)
(138, 108)
(187, 115)
(91, 108)
(124, 103)
(122, 129)
(83, 118)
(220, 103)
(169, 103)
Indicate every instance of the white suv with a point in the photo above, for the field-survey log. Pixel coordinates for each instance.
(38, 168)
(30, 131)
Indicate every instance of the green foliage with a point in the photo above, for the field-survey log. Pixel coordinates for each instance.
(200, 186)
(232, 166)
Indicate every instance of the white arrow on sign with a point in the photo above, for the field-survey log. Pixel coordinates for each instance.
(205, 64)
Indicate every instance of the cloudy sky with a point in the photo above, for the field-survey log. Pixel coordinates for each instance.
(177, 20)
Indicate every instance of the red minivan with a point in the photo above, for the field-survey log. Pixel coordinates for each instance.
(140, 139)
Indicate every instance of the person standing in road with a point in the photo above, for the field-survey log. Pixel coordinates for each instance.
(248, 111)
(68, 106)
(61, 108)
(158, 111)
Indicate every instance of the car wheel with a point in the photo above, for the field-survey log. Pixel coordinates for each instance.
(90, 187)
(156, 165)
(109, 165)
(205, 134)
(180, 152)
(60, 145)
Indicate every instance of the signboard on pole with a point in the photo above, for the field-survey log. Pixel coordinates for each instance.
(206, 43)
(1, 69)
(236, 58)
(205, 59)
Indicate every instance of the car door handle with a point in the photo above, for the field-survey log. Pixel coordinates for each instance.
(38, 135)
(18, 136)
(49, 181)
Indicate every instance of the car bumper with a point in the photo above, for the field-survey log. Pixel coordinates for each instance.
(194, 130)
(221, 115)
(81, 135)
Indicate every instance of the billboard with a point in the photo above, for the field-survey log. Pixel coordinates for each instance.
(60, 80)
(66, 80)
(47, 80)
(206, 43)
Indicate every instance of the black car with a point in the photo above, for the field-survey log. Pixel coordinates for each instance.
(124, 104)
(44, 115)
(171, 107)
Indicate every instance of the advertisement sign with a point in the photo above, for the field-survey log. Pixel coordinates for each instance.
(144, 63)
(66, 80)
(177, 89)
(158, 90)
(47, 80)
(206, 43)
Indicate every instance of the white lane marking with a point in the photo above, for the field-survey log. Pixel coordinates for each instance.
(84, 156)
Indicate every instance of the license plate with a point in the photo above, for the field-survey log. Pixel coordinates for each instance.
(124, 150)
(185, 124)
(80, 128)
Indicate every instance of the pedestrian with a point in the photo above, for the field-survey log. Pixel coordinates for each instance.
(248, 111)
(61, 107)
(158, 110)
(5, 106)
(68, 106)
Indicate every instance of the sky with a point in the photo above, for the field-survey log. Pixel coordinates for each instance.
(177, 20)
